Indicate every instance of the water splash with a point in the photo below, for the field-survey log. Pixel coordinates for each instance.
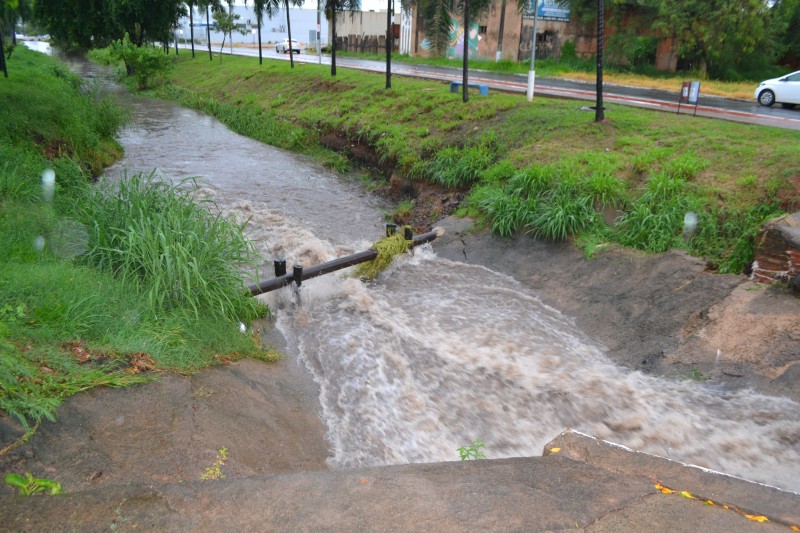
(438, 353)
(48, 184)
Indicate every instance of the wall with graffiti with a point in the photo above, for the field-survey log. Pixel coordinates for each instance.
(455, 48)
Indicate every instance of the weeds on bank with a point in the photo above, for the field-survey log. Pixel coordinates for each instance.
(28, 485)
(214, 471)
(71, 316)
(542, 168)
(472, 451)
(156, 233)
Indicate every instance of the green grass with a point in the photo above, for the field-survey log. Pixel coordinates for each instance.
(543, 167)
(572, 67)
(90, 281)
(155, 233)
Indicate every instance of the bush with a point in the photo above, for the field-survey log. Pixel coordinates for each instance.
(563, 212)
(142, 62)
(454, 167)
(155, 233)
(655, 221)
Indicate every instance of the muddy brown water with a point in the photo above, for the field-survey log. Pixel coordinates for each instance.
(437, 353)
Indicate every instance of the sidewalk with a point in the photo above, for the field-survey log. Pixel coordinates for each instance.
(580, 483)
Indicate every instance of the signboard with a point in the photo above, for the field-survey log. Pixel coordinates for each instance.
(548, 10)
(690, 93)
(694, 92)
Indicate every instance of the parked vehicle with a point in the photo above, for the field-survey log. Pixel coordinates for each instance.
(283, 47)
(784, 90)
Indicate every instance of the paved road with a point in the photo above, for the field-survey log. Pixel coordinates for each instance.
(709, 106)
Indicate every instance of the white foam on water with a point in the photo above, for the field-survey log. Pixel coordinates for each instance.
(436, 354)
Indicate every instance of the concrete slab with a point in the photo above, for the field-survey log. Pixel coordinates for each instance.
(587, 484)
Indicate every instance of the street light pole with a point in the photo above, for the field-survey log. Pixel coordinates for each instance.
(319, 31)
(532, 71)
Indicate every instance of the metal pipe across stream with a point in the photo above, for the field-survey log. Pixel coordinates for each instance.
(300, 274)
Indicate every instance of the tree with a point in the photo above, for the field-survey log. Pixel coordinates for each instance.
(89, 23)
(225, 21)
(273, 7)
(259, 8)
(438, 17)
(190, 6)
(72, 23)
(10, 12)
(787, 13)
(207, 6)
(332, 9)
(714, 34)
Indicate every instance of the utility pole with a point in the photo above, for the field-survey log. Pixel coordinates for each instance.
(3, 56)
(599, 114)
(465, 80)
(319, 31)
(532, 71)
(499, 55)
(389, 30)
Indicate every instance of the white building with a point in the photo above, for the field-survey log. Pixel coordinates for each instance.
(304, 27)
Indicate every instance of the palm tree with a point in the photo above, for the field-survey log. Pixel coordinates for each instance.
(259, 8)
(208, 5)
(332, 9)
(3, 56)
(437, 16)
(272, 8)
(190, 5)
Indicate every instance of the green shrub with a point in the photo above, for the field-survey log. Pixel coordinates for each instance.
(455, 168)
(508, 213)
(655, 221)
(605, 189)
(154, 232)
(563, 212)
(728, 236)
(532, 182)
(142, 62)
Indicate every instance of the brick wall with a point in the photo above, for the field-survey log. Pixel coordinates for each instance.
(777, 254)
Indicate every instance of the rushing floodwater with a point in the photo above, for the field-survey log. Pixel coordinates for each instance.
(435, 354)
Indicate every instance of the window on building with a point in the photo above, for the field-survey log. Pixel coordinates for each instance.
(482, 30)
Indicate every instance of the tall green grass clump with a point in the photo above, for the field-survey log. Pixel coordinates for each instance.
(728, 235)
(553, 201)
(67, 324)
(184, 255)
(456, 168)
(655, 221)
(50, 111)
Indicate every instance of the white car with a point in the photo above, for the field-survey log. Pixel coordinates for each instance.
(283, 47)
(784, 90)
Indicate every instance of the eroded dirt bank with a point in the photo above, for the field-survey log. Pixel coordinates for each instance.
(662, 314)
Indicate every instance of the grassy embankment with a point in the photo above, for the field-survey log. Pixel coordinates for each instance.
(98, 285)
(584, 70)
(545, 168)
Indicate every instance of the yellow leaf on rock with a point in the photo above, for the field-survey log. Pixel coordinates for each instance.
(663, 489)
(555, 450)
(687, 494)
(757, 518)
(709, 502)
(794, 528)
